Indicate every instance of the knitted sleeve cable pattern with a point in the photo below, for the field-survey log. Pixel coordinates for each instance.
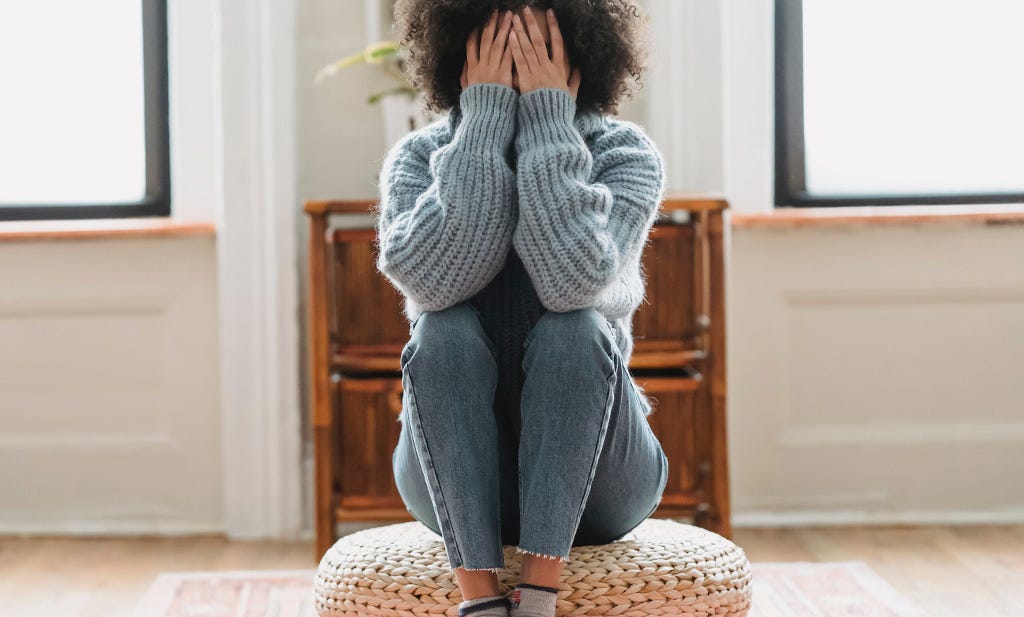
(445, 216)
(584, 216)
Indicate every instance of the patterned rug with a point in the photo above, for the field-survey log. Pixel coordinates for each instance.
(785, 589)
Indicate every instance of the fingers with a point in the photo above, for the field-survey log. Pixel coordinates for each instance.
(520, 59)
(536, 36)
(558, 55)
(500, 45)
(472, 42)
(506, 61)
(526, 49)
(488, 53)
(487, 38)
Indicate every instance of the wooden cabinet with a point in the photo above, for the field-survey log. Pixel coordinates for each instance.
(367, 432)
(357, 331)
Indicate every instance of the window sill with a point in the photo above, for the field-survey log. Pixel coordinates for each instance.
(872, 216)
(92, 229)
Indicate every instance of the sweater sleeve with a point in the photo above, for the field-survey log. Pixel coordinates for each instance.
(579, 237)
(445, 215)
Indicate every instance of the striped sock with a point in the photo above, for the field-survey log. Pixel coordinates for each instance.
(528, 600)
(487, 606)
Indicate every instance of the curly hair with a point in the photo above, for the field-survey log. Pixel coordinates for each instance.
(606, 39)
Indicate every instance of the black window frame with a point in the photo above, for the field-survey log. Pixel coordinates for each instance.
(157, 200)
(790, 157)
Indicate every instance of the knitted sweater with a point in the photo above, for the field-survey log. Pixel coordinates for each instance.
(520, 204)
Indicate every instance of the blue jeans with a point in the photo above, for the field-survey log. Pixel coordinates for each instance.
(584, 468)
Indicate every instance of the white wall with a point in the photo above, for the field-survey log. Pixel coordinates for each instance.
(876, 374)
(108, 386)
(874, 370)
(109, 381)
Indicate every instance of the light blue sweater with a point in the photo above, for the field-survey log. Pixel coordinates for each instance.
(572, 201)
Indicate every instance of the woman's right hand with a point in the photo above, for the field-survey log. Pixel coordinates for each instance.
(488, 55)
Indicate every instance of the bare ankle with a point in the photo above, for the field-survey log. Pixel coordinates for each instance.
(541, 570)
(477, 583)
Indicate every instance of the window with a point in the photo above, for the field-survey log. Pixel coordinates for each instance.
(83, 116)
(882, 102)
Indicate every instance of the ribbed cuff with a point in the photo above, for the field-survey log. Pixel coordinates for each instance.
(489, 605)
(488, 115)
(546, 114)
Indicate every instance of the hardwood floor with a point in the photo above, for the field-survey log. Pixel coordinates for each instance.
(948, 571)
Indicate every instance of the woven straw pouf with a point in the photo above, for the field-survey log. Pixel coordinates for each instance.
(662, 567)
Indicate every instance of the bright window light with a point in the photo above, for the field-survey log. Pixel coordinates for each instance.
(913, 96)
(72, 114)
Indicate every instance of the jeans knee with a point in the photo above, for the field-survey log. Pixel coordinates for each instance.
(455, 333)
(572, 329)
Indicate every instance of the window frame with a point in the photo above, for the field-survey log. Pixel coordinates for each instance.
(790, 187)
(157, 200)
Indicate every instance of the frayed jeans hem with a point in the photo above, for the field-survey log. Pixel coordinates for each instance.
(485, 569)
(524, 551)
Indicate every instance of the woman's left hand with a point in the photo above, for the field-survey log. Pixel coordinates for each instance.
(535, 69)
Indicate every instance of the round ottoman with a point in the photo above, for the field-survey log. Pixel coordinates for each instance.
(662, 567)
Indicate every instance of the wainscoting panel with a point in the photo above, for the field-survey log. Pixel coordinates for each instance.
(877, 374)
(109, 418)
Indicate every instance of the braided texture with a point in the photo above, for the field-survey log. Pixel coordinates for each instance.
(660, 568)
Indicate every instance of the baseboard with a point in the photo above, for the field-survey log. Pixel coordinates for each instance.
(112, 528)
(806, 518)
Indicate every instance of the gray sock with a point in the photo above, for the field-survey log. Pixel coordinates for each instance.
(528, 600)
(487, 606)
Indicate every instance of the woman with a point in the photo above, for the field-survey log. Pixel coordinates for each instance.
(514, 228)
